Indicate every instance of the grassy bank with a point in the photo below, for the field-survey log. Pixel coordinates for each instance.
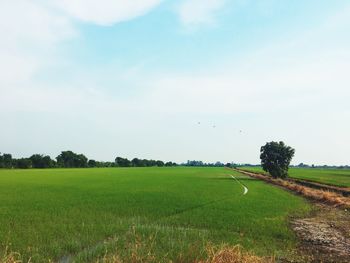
(336, 177)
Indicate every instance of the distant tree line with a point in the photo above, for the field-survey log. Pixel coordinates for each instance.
(136, 162)
(303, 165)
(69, 159)
(202, 164)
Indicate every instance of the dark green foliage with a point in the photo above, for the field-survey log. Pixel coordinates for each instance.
(275, 158)
(92, 163)
(138, 163)
(23, 163)
(202, 164)
(159, 163)
(170, 164)
(69, 159)
(122, 162)
(6, 160)
(41, 161)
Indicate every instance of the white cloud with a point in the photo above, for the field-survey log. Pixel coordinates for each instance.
(29, 33)
(194, 13)
(106, 12)
(292, 81)
(256, 86)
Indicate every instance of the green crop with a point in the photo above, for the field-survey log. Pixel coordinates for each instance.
(169, 213)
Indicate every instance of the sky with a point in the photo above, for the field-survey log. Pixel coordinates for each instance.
(209, 80)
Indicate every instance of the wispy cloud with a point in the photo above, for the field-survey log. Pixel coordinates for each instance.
(30, 32)
(106, 12)
(194, 13)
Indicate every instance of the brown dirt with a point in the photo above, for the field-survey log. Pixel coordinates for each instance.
(325, 235)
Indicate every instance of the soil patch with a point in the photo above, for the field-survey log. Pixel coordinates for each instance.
(325, 236)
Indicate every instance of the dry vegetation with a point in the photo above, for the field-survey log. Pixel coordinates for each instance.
(234, 254)
(327, 197)
(223, 254)
(11, 257)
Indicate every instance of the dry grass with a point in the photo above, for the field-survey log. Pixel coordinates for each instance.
(235, 254)
(222, 254)
(327, 197)
(11, 257)
(110, 259)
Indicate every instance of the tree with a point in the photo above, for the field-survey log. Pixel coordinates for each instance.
(41, 161)
(219, 164)
(23, 163)
(92, 163)
(122, 162)
(136, 162)
(275, 158)
(170, 164)
(160, 163)
(1, 161)
(7, 160)
(69, 159)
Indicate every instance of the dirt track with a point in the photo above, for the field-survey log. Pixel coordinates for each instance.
(325, 235)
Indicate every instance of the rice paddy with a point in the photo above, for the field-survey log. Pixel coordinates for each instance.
(161, 214)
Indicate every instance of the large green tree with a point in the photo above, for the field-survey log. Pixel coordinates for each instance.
(41, 161)
(6, 160)
(92, 163)
(122, 162)
(23, 163)
(70, 159)
(275, 158)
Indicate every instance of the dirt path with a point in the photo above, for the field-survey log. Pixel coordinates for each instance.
(325, 234)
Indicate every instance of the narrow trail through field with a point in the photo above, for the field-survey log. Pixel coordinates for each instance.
(245, 189)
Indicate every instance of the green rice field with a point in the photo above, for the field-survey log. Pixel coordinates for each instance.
(79, 215)
(336, 177)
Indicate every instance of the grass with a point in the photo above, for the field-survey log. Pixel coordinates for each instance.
(336, 177)
(162, 213)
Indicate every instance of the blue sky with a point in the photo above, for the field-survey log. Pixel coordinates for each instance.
(110, 78)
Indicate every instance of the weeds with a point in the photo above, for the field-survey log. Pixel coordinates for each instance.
(235, 254)
(11, 257)
(222, 254)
